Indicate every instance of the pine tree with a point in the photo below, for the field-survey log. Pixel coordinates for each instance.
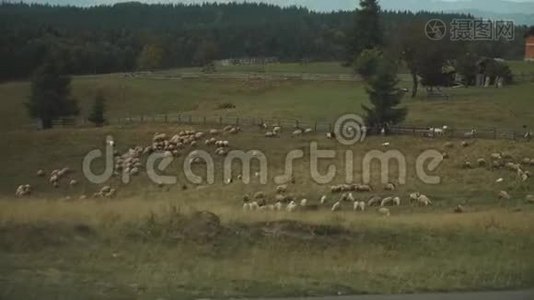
(97, 112)
(384, 97)
(367, 33)
(50, 95)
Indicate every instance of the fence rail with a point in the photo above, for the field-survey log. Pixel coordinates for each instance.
(316, 126)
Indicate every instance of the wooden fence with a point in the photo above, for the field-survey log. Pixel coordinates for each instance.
(316, 126)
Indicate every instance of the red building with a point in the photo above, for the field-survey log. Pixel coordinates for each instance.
(529, 48)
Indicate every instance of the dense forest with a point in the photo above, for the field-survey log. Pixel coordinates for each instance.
(134, 36)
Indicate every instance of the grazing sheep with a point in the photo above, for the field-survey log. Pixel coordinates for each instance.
(424, 200)
(281, 189)
(526, 161)
(323, 200)
(82, 197)
(278, 206)
(364, 188)
(414, 197)
(471, 134)
(386, 145)
(270, 134)
(467, 165)
(254, 206)
(397, 201)
(359, 205)
(308, 131)
(279, 198)
(384, 212)
(40, 173)
(503, 195)
(465, 144)
(73, 182)
(512, 167)
(214, 132)
(507, 156)
(496, 156)
(292, 206)
(529, 199)
(330, 135)
(500, 180)
(23, 190)
(459, 209)
(445, 155)
(304, 202)
(277, 129)
(336, 206)
(297, 132)
(390, 187)
(374, 201)
(482, 162)
(259, 195)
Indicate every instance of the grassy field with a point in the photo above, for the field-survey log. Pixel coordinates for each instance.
(151, 242)
(304, 100)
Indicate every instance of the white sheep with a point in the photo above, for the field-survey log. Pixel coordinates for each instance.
(40, 173)
(503, 195)
(364, 188)
(297, 132)
(529, 199)
(500, 180)
(359, 205)
(414, 197)
(336, 206)
(386, 201)
(278, 206)
(374, 201)
(73, 182)
(423, 200)
(323, 200)
(292, 206)
(304, 202)
(281, 189)
(384, 212)
(308, 131)
(390, 187)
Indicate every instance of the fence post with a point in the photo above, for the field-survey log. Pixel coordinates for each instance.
(315, 126)
(142, 118)
(190, 119)
(178, 119)
(297, 124)
(494, 133)
(166, 119)
(204, 120)
(237, 121)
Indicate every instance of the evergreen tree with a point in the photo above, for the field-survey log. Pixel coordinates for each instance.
(97, 112)
(384, 97)
(367, 33)
(50, 95)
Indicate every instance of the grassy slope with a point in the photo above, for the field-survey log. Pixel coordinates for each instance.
(55, 249)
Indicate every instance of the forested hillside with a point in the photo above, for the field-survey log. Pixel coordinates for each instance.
(132, 36)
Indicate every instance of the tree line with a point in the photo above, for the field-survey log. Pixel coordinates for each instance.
(133, 36)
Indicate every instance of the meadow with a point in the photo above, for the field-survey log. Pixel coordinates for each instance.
(151, 242)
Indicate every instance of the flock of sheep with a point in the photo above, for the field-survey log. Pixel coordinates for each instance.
(130, 163)
(341, 196)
